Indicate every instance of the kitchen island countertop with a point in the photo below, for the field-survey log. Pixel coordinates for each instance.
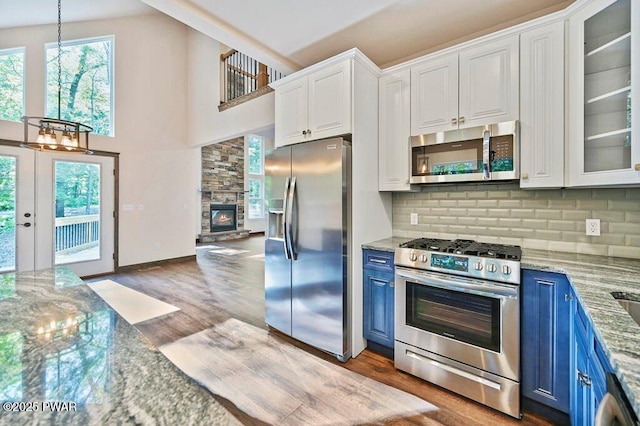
(594, 278)
(61, 342)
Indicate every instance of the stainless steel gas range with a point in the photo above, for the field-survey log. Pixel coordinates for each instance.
(457, 321)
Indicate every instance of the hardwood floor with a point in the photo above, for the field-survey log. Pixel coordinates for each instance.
(228, 282)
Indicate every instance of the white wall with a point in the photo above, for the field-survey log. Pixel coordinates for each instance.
(159, 171)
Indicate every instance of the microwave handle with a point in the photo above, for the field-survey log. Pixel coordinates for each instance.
(486, 155)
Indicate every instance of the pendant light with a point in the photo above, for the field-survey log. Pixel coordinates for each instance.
(56, 134)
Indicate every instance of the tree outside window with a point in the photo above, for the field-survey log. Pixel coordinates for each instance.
(256, 159)
(255, 162)
(11, 84)
(86, 91)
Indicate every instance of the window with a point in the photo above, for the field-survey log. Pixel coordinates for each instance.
(11, 84)
(86, 92)
(255, 156)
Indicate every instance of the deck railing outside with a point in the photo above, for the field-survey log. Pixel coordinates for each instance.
(73, 236)
(242, 75)
(77, 233)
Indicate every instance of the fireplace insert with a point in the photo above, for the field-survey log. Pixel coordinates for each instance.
(224, 217)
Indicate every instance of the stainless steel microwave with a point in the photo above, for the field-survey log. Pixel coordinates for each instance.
(483, 153)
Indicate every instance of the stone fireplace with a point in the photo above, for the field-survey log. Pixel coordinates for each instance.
(223, 188)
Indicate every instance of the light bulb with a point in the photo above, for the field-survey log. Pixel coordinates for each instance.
(66, 141)
(423, 169)
(53, 142)
(40, 138)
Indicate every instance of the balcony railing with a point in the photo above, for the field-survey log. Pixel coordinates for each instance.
(243, 75)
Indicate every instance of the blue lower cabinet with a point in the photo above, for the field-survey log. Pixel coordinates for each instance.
(378, 297)
(581, 402)
(545, 339)
(589, 367)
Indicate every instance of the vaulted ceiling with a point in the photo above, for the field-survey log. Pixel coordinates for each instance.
(292, 34)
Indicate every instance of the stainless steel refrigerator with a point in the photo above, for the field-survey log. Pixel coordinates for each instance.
(307, 243)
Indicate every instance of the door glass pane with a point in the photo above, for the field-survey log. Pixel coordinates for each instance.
(77, 212)
(7, 213)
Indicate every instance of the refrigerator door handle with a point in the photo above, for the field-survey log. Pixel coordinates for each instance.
(289, 219)
(285, 209)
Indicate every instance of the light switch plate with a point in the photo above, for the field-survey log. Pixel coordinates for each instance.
(414, 218)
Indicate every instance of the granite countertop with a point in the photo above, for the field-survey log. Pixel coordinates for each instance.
(594, 278)
(61, 342)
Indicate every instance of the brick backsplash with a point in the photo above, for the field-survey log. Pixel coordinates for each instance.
(536, 219)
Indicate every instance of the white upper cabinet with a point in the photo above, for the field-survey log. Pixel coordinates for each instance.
(393, 135)
(291, 103)
(604, 73)
(489, 77)
(434, 96)
(542, 107)
(315, 106)
(475, 87)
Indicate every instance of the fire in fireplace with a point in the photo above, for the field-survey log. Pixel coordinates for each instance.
(224, 217)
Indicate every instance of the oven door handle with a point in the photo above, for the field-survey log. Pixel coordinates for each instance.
(495, 291)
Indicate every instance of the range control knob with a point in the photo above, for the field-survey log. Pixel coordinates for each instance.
(478, 266)
(424, 258)
(506, 269)
(413, 257)
(491, 267)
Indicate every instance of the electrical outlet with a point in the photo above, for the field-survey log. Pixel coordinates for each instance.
(414, 218)
(593, 227)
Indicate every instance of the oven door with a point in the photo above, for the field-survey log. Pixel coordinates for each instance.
(473, 321)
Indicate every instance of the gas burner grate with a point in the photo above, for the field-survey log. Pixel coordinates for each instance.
(431, 244)
(497, 251)
(468, 247)
(458, 246)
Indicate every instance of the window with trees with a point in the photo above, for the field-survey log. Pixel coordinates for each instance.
(11, 84)
(255, 162)
(86, 89)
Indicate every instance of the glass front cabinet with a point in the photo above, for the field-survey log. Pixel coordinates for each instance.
(604, 79)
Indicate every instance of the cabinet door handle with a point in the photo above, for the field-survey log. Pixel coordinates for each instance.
(568, 297)
(383, 262)
(308, 131)
(583, 378)
(304, 132)
(637, 167)
(454, 121)
(525, 176)
(461, 120)
(392, 284)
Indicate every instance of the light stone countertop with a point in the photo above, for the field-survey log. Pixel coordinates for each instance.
(101, 366)
(594, 278)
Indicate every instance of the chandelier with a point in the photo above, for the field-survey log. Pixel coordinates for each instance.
(56, 134)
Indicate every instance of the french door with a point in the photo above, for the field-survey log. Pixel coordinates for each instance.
(56, 209)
